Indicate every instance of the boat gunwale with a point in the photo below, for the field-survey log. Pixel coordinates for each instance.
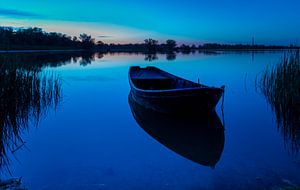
(202, 87)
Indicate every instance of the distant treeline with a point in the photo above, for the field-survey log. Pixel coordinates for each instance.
(37, 39)
(244, 47)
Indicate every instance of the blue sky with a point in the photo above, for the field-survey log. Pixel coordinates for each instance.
(222, 21)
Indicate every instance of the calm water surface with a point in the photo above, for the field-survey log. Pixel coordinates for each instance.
(92, 140)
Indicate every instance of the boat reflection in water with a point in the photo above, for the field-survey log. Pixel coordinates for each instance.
(199, 138)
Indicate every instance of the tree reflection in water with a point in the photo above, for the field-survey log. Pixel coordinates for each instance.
(281, 87)
(171, 56)
(150, 57)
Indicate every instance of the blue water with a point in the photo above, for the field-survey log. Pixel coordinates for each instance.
(92, 141)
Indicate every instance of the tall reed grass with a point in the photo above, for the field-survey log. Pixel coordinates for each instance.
(25, 97)
(281, 87)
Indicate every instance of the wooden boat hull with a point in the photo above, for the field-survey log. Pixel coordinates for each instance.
(195, 100)
(178, 100)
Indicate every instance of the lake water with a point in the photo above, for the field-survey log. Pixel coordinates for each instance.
(92, 140)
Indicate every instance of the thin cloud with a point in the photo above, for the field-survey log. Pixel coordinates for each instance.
(103, 36)
(16, 13)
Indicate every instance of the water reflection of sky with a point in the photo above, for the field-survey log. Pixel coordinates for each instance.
(93, 142)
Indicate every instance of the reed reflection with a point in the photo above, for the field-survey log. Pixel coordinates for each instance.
(280, 85)
(26, 94)
(199, 138)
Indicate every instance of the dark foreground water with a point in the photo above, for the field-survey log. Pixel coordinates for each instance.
(87, 136)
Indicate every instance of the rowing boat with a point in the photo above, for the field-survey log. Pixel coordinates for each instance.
(164, 92)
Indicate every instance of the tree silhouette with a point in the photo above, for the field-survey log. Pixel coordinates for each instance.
(185, 49)
(87, 41)
(151, 45)
(171, 45)
(37, 39)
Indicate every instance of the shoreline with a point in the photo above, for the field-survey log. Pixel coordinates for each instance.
(143, 52)
(42, 50)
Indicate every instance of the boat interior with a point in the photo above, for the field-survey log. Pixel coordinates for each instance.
(147, 79)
